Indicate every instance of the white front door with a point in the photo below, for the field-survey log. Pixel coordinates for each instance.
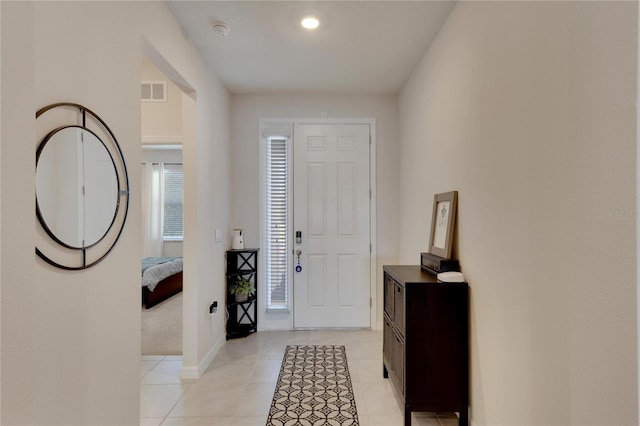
(332, 213)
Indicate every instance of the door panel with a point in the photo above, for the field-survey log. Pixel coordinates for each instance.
(332, 210)
(317, 281)
(316, 199)
(347, 264)
(347, 212)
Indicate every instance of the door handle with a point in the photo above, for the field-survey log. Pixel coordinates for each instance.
(298, 267)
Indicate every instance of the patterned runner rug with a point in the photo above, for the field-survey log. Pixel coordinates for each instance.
(314, 388)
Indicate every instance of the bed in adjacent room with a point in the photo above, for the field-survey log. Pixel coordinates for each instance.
(161, 279)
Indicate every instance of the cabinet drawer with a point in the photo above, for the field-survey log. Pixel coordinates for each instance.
(389, 288)
(398, 306)
(387, 343)
(397, 360)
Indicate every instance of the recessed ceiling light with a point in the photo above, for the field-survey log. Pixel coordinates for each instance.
(310, 22)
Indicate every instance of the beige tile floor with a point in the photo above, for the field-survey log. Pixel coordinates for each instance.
(238, 386)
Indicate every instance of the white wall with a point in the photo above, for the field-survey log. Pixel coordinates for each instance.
(1, 135)
(163, 155)
(17, 282)
(71, 340)
(161, 121)
(528, 110)
(246, 113)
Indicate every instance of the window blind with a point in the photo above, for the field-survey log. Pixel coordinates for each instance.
(276, 223)
(173, 202)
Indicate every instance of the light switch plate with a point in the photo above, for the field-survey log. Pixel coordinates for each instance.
(218, 235)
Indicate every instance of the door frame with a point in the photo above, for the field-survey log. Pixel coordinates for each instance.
(269, 123)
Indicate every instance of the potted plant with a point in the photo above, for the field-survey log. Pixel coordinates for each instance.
(241, 289)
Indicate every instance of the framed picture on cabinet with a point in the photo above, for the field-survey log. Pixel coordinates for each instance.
(443, 223)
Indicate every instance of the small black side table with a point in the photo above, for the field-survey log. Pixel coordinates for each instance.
(242, 315)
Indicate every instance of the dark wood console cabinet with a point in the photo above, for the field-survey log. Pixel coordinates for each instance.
(426, 341)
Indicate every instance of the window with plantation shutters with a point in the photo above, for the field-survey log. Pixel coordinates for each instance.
(276, 223)
(173, 205)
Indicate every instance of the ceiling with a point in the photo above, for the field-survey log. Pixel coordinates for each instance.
(361, 47)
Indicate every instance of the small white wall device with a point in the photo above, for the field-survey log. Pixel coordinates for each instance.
(237, 243)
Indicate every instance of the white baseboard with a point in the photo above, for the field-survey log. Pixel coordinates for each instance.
(189, 373)
(196, 372)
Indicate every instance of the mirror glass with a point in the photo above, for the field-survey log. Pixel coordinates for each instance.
(76, 187)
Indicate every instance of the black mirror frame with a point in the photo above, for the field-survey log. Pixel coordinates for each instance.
(122, 179)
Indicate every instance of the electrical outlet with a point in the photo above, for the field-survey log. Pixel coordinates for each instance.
(213, 308)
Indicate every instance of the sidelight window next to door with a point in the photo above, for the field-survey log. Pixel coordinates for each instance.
(276, 222)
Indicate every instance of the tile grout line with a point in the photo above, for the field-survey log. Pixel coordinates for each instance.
(188, 385)
(151, 369)
(176, 403)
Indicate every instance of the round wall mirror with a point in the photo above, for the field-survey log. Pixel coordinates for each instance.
(76, 186)
(82, 188)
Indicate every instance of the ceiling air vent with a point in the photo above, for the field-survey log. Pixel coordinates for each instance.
(154, 91)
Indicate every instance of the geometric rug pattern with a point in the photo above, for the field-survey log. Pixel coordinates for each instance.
(314, 389)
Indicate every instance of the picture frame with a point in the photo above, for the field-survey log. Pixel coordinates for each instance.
(443, 221)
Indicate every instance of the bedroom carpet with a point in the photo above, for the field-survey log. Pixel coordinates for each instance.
(162, 328)
(313, 388)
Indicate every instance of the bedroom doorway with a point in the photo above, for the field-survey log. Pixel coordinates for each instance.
(162, 213)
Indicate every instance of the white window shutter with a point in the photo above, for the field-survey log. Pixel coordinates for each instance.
(276, 223)
(173, 202)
